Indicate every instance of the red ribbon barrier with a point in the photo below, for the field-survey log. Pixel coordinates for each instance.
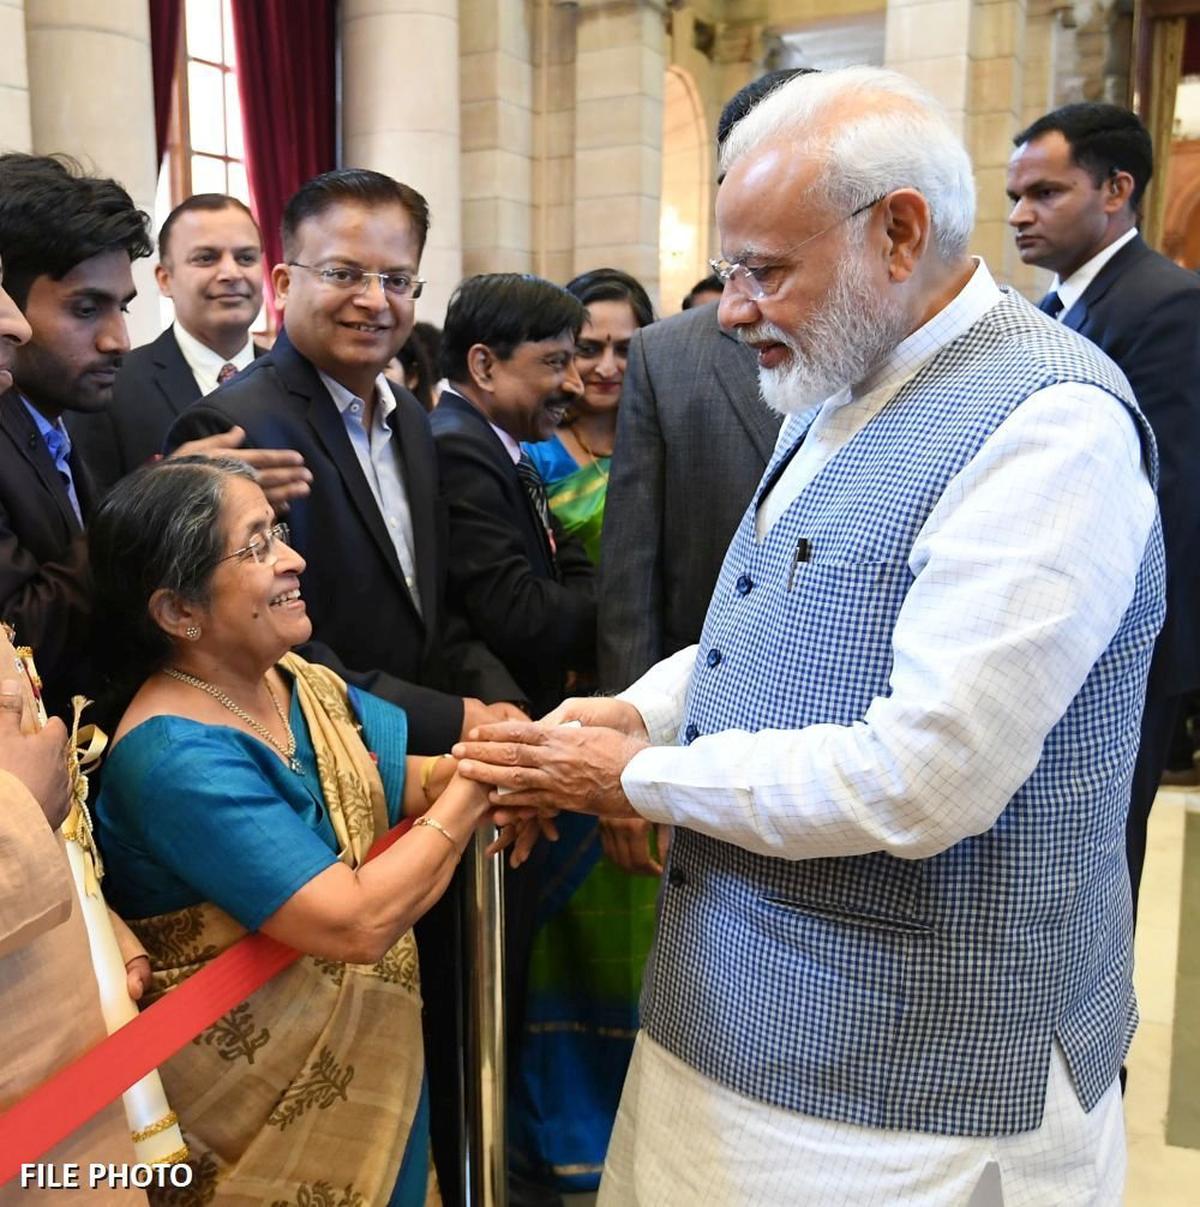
(34, 1125)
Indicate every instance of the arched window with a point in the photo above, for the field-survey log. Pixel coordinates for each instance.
(205, 151)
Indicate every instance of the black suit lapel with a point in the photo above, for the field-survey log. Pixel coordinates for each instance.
(172, 375)
(22, 431)
(1104, 280)
(734, 368)
(535, 533)
(85, 490)
(326, 421)
(421, 489)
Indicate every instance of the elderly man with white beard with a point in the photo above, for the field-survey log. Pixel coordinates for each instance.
(893, 958)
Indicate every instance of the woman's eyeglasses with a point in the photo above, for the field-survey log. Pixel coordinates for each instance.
(262, 546)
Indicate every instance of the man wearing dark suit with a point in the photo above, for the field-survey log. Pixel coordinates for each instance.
(527, 589)
(373, 530)
(693, 440)
(1075, 180)
(68, 242)
(210, 266)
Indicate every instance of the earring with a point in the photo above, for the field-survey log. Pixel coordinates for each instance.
(192, 632)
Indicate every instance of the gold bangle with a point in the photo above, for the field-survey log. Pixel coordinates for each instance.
(427, 771)
(434, 824)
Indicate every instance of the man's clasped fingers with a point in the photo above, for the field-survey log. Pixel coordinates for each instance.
(578, 769)
(500, 767)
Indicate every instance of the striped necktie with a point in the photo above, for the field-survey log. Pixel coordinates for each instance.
(535, 490)
(1051, 304)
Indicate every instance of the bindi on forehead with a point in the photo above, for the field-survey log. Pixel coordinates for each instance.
(259, 521)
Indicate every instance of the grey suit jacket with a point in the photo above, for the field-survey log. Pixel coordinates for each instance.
(693, 439)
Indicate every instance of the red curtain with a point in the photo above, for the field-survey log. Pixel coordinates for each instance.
(286, 80)
(165, 19)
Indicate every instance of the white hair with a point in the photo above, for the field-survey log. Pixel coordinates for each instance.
(906, 141)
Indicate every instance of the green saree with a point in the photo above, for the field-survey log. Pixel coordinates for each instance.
(595, 924)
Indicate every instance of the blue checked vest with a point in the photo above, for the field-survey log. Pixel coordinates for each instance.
(922, 995)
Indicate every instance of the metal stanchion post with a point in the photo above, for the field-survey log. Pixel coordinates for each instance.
(487, 1184)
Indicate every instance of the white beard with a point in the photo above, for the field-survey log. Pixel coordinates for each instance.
(853, 331)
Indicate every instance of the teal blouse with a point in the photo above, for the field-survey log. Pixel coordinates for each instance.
(190, 812)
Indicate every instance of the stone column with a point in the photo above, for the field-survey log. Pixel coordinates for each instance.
(994, 114)
(1037, 98)
(928, 40)
(554, 140)
(969, 54)
(619, 67)
(400, 115)
(496, 82)
(716, 59)
(92, 96)
(14, 79)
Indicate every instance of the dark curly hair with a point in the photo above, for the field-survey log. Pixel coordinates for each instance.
(53, 217)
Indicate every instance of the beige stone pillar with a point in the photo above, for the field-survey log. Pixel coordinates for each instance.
(91, 95)
(400, 115)
(14, 79)
(995, 108)
(496, 83)
(969, 54)
(1037, 98)
(553, 37)
(928, 41)
(619, 67)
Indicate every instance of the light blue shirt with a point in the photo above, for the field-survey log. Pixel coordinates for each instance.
(59, 445)
(379, 458)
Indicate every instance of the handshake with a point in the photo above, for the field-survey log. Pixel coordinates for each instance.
(572, 759)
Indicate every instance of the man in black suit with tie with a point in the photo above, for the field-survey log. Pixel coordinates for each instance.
(1076, 180)
(210, 266)
(527, 589)
(373, 530)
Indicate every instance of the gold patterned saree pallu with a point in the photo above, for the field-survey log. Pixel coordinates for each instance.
(315, 1078)
(305, 1093)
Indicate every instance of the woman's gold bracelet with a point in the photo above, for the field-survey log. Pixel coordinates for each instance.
(434, 824)
(427, 771)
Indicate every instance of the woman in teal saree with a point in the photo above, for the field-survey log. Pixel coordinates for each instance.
(595, 921)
